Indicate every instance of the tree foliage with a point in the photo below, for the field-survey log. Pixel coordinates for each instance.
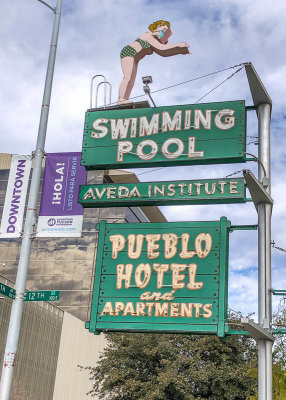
(279, 354)
(137, 366)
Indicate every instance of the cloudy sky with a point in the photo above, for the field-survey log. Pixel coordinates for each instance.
(221, 34)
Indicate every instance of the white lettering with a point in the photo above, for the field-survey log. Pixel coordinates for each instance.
(149, 128)
(101, 131)
(151, 154)
(179, 151)
(171, 124)
(229, 121)
(123, 148)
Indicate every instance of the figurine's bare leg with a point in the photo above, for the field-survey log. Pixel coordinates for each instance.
(129, 69)
(132, 80)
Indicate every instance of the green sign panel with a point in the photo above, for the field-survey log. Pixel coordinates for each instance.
(7, 291)
(161, 277)
(207, 191)
(43, 295)
(171, 135)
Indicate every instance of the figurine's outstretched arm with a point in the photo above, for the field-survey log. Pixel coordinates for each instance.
(166, 50)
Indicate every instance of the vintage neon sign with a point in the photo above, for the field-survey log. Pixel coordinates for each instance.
(204, 191)
(173, 135)
(161, 277)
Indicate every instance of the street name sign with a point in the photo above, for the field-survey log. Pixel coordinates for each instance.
(161, 277)
(165, 136)
(207, 191)
(42, 295)
(7, 291)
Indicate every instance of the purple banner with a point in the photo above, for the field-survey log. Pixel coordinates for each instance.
(60, 213)
(14, 206)
(62, 177)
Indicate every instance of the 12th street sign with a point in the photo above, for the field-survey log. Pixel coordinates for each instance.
(171, 135)
(161, 277)
(40, 295)
(203, 191)
(7, 291)
(43, 295)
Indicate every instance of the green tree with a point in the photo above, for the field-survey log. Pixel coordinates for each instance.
(279, 354)
(138, 366)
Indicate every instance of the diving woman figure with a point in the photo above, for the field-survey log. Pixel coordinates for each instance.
(154, 41)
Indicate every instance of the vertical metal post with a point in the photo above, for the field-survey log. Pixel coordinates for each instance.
(20, 286)
(264, 256)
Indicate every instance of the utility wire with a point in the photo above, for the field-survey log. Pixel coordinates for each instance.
(258, 161)
(191, 80)
(278, 248)
(197, 78)
(230, 76)
(234, 173)
(220, 84)
(242, 65)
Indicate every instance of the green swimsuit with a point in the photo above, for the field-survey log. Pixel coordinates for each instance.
(128, 51)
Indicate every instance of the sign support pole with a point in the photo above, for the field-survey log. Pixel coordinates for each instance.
(263, 102)
(20, 286)
(264, 255)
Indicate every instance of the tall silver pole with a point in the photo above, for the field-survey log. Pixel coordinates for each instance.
(20, 286)
(264, 256)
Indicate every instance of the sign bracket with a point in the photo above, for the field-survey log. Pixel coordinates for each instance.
(256, 331)
(243, 228)
(256, 189)
(278, 292)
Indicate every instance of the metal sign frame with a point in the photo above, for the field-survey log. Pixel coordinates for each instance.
(208, 133)
(112, 291)
(42, 295)
(199, 191)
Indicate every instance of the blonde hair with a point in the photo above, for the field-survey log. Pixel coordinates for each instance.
(156, 24)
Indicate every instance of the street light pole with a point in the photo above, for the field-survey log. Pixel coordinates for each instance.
(28, 233)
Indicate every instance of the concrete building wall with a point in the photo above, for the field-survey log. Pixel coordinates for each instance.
(77, 347)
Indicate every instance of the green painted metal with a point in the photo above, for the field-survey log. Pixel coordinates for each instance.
(251, 108)
(179, 135)
(279, 331)
(139, 286)
(278, 292)
(209, 266)
(210, 288)
(7, 291)
(207, 191)
(243, 228)
(97, 278)
(224, 225)
(42, 295)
